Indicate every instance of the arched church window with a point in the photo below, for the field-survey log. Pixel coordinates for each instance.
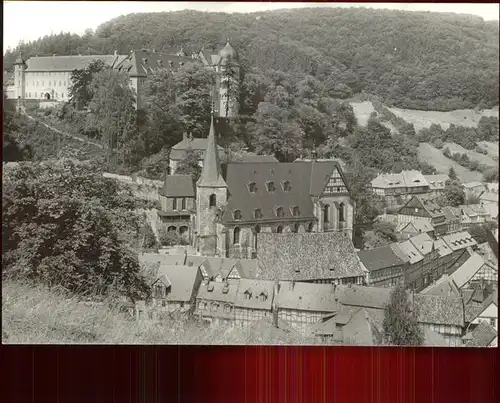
(326, 214)
(341, 212)
(258, 213)
(286, 186)
(236, 236)
(279, 212)
(256, 231)
(237, 214)
(271, 187)
(252, 187)
(213, 200)
(296, 227)
(310, 227)
(279, 230)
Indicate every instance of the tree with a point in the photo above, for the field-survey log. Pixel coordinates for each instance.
(189, 165)
(383, 233)
(70, 227)
(490, 175)
(12, 151)
(452, 174)
(453, 193)
(229, 83)
(427, 169)
(112, 106)
(79, 91)
(274, 133)
(482, 232)
(400, 324)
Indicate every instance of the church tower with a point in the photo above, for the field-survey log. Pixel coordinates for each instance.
(19, 80)
(229, 75)
(211, 197)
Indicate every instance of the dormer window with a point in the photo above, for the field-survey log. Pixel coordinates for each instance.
(181, 63)
(171, 63)
(263, 296)
(237, 214)
(252, 187)
(257, 213)
(271, 187)
(144, 60)
(286, 186)
(279, 212)
(248, 294)
(160, 62)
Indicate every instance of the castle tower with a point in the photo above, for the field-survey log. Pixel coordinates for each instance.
(211, 196)
(229, 73)
(19, 79)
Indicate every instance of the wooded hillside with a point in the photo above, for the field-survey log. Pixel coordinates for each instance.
(411, 60)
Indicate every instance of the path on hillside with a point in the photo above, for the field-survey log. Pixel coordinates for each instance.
(63, 133)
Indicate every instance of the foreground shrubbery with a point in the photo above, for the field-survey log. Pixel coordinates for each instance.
(35, 314)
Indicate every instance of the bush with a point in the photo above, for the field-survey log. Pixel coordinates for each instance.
(447, 153)
(438, 143)
(169, 238)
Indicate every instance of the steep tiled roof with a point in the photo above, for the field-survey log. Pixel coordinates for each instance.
(459, 240)
(439, 310)
(403, 179)
(183, 280)
(464, 273)
(211, 174)
(218, 291)
(158, 258)
(366, 297)
(423, 243)
(436, 182)
(264, 331)
(178, 152)
(408, 250)
(141, 63)
(487, 253)
(255, 158)
(306, 296)
(178, 186)
(452, 214)
(360, 330)
(444, 287)
(255, 294)
(442, 248)
(472, 185)
(481, 336)
(306, 179)
(489, 196)
(417, 226)
(306, 256)
(379, 258)
(66, 63)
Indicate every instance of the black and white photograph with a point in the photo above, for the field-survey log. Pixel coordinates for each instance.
(238, 173)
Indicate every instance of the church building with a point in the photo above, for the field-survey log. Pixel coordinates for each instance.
(238, 200)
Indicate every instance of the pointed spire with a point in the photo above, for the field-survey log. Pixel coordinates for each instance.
(211, 175)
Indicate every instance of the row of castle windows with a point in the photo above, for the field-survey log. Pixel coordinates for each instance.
(270, 186)
(42, 83)
(42, 95)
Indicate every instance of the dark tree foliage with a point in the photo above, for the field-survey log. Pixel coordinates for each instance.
(189, 165)
(66, 225)
(482, 232)
(13, 152)
(400, 324)
(374, 51)
(453, 194)
(452, 174)
(426, 168)
(80, 91)
(491, 175)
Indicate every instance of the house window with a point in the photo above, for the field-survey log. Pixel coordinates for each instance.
(215, 306)
(326, 213)
(237, 214)
(257, 231)
(236, 236)
(174, 203)
(341, 212)
(279, 230)
(286, 186)
(213, 200)
(271, 187)
(263, 297)
(492, 322)
(252, 187)
(279, 212)
(227, 308)
(163, 303)
(257, 213)
(183, 203)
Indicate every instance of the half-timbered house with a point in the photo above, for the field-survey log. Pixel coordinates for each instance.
(254, 301)
(423, 209)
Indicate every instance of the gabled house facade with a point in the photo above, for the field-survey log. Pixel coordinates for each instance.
(423, 209)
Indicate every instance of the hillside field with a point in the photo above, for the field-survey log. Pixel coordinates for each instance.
(473, 155)
(491, 147)
(431, 155)
(460, 117)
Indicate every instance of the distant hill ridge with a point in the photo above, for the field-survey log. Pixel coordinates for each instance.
(412, 60)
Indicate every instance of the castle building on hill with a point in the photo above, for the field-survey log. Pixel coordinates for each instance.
(48, 78)
(236, 201)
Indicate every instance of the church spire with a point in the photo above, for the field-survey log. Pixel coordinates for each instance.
(211, 175)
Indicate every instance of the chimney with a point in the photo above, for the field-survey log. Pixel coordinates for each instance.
(116, 53)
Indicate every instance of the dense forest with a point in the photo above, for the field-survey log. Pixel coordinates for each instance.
(412, 60)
